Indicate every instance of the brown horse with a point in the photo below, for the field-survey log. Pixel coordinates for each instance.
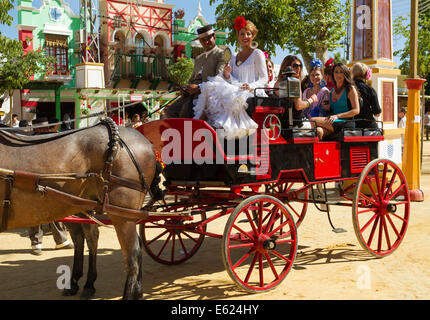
(108, 166)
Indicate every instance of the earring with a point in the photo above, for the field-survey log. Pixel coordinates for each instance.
(311, 85)
(254, 44)
(322, 84)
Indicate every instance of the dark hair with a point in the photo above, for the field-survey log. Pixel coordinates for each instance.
(348, 82)
(403, 109)
(23, 123)
(287, 62)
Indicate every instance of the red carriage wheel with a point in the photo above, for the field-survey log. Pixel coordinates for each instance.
(172, 241)
(284, 190)
(380, 208)
(259, 243)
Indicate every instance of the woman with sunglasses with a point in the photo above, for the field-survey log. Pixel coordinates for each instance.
(299, 105)
(344, 103)
(222, 102)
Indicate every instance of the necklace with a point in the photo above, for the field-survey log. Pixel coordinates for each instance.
(338, 90)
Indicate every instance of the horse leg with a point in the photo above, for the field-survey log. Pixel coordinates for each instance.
(77, 235)
(91, 234)
(132, 254)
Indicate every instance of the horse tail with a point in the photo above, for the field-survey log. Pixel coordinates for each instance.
(155, 191)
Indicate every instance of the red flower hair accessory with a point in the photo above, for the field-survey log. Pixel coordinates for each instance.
(266, 55)
(329, 63)
(239, 23)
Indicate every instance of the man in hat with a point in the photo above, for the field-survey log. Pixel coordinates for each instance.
(58, 229)
(208, 64)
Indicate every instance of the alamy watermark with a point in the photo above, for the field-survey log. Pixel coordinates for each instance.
(199, 146)
(63, 281)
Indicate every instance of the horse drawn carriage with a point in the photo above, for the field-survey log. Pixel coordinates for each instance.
(263, 183)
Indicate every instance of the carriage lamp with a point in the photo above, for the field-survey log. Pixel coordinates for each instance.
(289, 86)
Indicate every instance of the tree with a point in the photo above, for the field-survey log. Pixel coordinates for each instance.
(16, 68)
(401, 29)
(5, 7)
(307, 27)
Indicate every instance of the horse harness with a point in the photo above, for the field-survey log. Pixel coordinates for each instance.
(30, 181)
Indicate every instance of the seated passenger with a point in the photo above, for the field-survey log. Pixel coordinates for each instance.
(299, 104)
(344, 104)
(370, 106)
(222, 102)
(208, 64)
(317, 87)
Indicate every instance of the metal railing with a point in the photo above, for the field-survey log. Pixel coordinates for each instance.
(135, 66)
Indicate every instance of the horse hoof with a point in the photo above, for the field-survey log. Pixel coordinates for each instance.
(70, 292)
(88, 293)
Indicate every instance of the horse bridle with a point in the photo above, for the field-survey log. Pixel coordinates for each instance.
(30, 181)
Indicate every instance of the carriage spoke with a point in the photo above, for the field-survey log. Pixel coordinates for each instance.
(377, 179)
(278, 228)
(394, 227)
(369, 184)
(241, 245)
(276, 253)
(270, 262)
(396, 192)
(381, 221)
(251, 222)
(368, 223)
(367, 210)
(243, 232)
(260, 217)
(390, 185)
(172, 255)
(190, 237)
(372, 233)
(164, 245)
(271, 220)
(387, 236)
(251, 268)
(158, 237)
(260, 269)
(182, 244)
(384, 177)
(244, 257)
(295, 212)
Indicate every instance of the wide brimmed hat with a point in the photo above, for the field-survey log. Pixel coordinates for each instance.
(205, 31)
(40, 121)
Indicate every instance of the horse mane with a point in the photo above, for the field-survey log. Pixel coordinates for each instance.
(19, 138)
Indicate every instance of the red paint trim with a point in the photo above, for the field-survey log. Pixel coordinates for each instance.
(414, 84)
(29, 104)
(303, 140)
(363, 138)
(261, 109)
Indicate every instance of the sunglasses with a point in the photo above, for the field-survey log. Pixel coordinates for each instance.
(297, 65)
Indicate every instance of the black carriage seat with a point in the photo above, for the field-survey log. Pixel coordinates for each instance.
(344, 134)
(261, 105)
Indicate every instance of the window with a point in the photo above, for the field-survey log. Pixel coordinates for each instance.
(57, 47)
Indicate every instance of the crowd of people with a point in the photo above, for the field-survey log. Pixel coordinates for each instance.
(333, 96)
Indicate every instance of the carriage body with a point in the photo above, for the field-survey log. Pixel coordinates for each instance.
(266, 181)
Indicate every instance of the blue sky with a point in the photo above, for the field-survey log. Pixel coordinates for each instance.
(190, 8)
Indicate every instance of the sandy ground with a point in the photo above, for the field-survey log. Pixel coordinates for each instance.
(328, 265)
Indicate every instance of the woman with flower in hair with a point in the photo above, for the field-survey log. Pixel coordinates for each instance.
(222, 102)
(317, 87)
(370, 106)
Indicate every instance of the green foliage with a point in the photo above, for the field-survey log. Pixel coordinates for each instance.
(300, 26)
(5, 6)
(16, 68)
(402, 30)
(181, 71)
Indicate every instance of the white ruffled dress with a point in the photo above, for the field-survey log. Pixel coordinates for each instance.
(225, 103)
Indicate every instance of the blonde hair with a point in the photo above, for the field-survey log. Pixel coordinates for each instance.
(359, 70)
(250, 26)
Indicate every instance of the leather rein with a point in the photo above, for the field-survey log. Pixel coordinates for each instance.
(29, 181)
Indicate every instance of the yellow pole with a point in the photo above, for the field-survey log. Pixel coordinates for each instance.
(412, 149)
